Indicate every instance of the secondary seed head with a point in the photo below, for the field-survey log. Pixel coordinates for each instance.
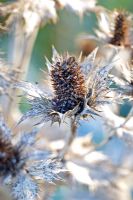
(121, 29)
(9, 157)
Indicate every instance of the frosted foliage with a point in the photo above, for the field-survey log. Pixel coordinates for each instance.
(24, 188)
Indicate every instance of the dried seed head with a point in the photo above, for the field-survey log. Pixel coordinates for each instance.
(9, 157)
(78, 90)
(21, 167)
(121, 29)
(69, 85)
(114, 27)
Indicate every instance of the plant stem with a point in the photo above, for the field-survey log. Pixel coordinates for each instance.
(69, 139)
(20, 56)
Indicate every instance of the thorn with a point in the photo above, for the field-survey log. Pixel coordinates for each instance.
(55, 54)
(48, 64)
(80, 57)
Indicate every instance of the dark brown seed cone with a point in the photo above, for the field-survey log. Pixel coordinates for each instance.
(9, 157)
(121, 30)
(69, 85)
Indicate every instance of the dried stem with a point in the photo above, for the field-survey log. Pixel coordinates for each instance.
(130, 114)
(69, 139)
(20, 58)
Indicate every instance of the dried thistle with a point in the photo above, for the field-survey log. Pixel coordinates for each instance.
(121, 30)
(69, 85)
(24, 18)
(9, 157)
(13, 156)
(79, 89)
(115, 27)
(19, 165)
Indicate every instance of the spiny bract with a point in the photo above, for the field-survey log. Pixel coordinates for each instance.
(79, 88)
(20, 167)
(125, 81)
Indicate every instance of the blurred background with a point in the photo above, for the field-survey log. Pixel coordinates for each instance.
(63, 35)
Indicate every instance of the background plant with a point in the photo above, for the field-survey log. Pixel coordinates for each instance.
(100, 160)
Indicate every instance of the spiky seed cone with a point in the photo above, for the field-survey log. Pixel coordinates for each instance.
(121, 29)
(69, 85)
(9, 157)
